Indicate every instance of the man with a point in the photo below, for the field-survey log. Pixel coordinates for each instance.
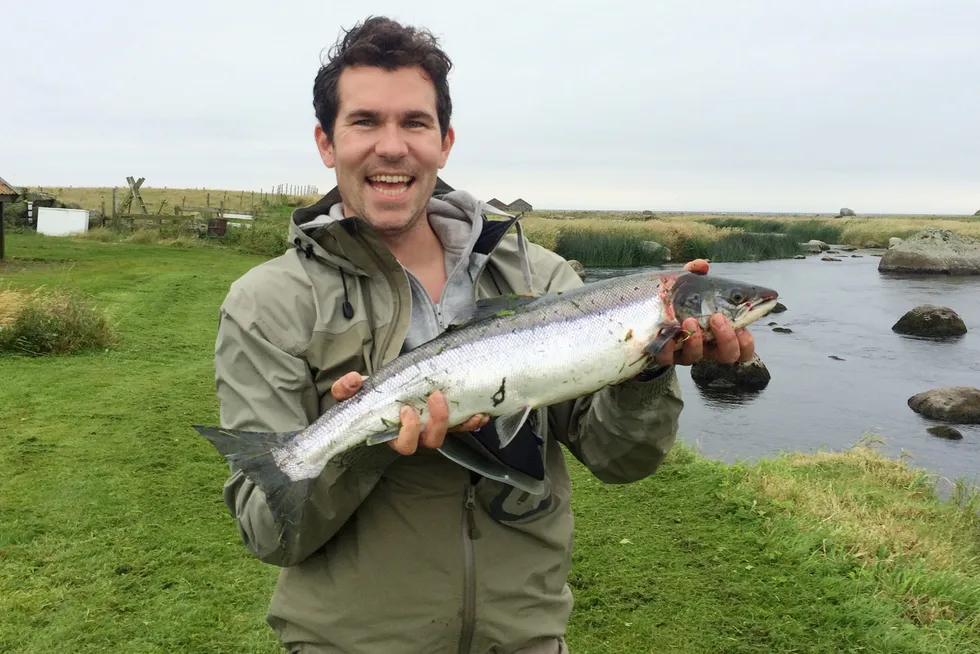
(402, 549)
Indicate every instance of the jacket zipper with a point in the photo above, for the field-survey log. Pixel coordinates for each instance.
(470, 533)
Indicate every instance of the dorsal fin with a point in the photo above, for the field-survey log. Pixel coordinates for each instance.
(502, 305)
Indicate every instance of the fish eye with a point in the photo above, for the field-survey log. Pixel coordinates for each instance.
(737, 297)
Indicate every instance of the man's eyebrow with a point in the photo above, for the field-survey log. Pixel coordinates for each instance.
(358, 114)
(418, 113)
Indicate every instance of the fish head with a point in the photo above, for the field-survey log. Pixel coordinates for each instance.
(700, 296)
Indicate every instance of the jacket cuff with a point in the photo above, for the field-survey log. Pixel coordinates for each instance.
(652, 381)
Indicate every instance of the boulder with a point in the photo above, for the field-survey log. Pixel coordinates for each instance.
(652, 247)
(820, 244)
(945, 431)
(977, 213)
(811, 248)
(779, 308)
(782, 330)
(577, 267)
(956, 404)
(847, 212)
(749, 376)
(829, 258)
(800, 256)
(872, 245)
(847, 248)
(893, 241)
(928, 320)
(934, 250)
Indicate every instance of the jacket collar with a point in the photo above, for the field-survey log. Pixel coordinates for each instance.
(316, 235)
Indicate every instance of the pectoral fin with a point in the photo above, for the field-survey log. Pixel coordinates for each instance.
(509, 425)
(666, 334)
(383, 437)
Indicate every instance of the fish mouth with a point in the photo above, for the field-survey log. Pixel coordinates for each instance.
(752, 311)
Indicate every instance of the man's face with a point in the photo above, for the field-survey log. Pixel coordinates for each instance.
(387, 147)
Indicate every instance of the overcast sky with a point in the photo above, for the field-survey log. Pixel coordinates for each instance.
(776, 105)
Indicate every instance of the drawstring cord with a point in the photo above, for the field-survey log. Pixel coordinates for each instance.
(346, 307)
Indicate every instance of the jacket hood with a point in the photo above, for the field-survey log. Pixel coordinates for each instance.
(322, 230)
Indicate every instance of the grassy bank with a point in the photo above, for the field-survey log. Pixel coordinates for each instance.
(113, 535)
(595, 238)
(727, 238)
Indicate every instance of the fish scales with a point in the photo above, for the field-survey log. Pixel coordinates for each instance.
(502, 365)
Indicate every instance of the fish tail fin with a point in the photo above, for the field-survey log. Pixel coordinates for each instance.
(252, 453)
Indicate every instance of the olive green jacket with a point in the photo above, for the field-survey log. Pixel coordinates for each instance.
(408, 554)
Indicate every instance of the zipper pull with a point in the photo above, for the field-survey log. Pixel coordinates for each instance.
(470, 506)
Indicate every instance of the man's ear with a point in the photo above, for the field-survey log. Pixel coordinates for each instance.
(324, 145)
(447, 146)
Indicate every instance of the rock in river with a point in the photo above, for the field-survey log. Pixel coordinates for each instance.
(930, 321)
(779, 308)
(750, 376)
(814, 244)
(945, 431)
(577, 267)
(934, 250)
(956, 404)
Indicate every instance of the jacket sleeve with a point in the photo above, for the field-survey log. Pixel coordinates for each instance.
(623, 432)
(262, 385)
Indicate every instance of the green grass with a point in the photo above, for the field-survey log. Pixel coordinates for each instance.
(607, 249)
(53, 323)
(114, 537)
(740, 246)
(799, 231)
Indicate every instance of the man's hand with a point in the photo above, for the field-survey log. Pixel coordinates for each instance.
(728, 346)
(409, 437)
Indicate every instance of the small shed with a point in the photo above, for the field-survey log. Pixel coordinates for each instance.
(518, 205)
(494, 202)
(7, 194)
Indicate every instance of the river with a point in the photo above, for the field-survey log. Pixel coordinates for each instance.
(813, 402)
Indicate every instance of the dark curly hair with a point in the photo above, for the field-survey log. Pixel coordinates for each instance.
(382, 42)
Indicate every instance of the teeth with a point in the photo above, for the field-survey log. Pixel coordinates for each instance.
(391, 191)
(390, 179)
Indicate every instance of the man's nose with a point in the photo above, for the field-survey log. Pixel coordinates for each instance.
(391, 142)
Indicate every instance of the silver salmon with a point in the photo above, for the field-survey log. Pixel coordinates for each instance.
(514, 354)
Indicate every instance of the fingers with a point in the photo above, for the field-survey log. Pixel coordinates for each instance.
(699, 266)
(693, 349)
(345, 387)
(746, 343)
(435, 431)
(411, 436)
(472, 424)
(726, 347)
(408, 436)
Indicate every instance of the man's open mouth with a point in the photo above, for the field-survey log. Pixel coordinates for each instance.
(390, 184)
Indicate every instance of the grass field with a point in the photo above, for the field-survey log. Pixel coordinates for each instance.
(114, 537)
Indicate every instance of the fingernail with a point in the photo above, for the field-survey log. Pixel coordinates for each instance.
(404, 413)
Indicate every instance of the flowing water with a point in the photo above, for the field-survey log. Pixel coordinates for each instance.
(844, 309)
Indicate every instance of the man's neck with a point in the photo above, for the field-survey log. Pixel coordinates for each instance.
(420, 251)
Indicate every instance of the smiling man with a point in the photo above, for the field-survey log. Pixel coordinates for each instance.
(414, 546)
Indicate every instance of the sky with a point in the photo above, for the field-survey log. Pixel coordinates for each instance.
(713, 105)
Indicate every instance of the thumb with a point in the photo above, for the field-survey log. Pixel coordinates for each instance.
(347, 386)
